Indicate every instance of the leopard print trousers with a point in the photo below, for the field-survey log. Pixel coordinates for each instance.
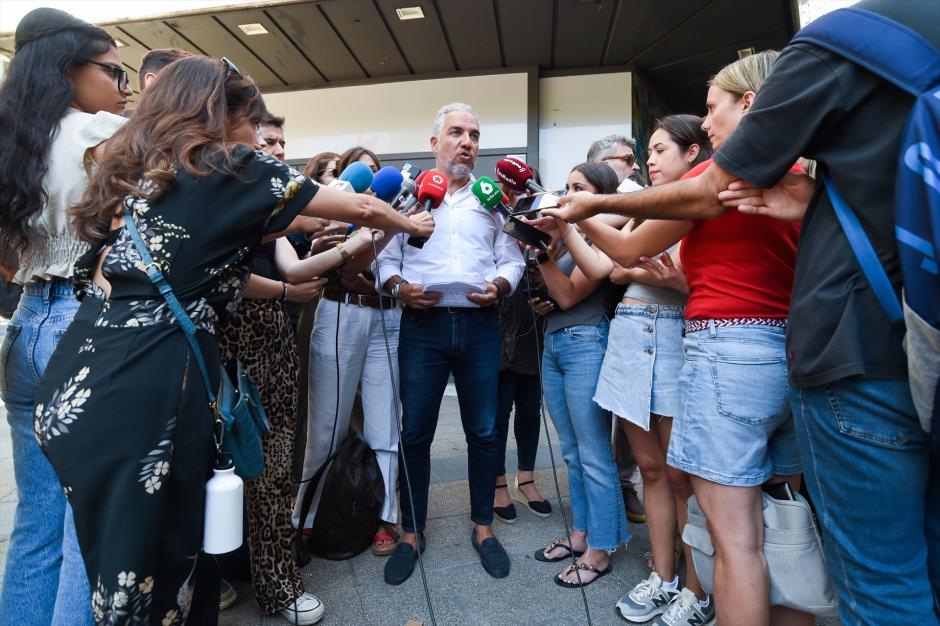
(260, 335)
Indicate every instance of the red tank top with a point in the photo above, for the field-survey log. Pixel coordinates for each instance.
(739, 265)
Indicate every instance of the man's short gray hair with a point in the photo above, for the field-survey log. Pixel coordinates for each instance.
(450, 108)
(605, 146)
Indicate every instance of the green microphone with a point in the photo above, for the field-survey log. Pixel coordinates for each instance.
(491, 197)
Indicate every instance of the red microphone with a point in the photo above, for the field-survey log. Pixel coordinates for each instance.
(412, 200)
(517, 176)
(430, 194)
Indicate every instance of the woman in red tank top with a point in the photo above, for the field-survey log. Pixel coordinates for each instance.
(734, 432)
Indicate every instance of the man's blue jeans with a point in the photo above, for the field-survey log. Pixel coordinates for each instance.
(45, 580)
(867, 467)
(433, 344)
(571, 365)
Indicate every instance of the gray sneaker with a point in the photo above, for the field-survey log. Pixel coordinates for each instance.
(645, 601)
(686, 610)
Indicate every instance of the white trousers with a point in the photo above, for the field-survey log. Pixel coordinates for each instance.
(363, 362)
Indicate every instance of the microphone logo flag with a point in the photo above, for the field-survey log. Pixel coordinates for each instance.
(487, 192)
(514, 173)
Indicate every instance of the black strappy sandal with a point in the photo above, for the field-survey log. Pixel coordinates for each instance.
(557, 543)
(542, 508)
(505, 514)
(584, 567)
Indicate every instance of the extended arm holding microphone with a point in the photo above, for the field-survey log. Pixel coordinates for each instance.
(368, 211)
(297, 270)
(692, 198)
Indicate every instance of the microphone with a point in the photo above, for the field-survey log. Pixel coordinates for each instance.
(356, 178)
(430, 194)
(413, 199)
(517, 175)
(409, 170)
(386, 183)
(409, 173)
(358, 175)
(490, 195)
(405, 193)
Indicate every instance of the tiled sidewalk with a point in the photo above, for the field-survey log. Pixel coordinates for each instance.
(461, 592)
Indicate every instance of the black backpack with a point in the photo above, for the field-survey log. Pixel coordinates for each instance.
(348, 515)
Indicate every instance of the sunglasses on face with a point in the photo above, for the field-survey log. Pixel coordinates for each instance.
(629, 159)
(118, 73)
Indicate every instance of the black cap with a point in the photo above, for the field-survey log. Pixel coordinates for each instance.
(223, 461)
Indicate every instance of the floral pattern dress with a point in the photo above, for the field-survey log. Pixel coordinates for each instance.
(122, 411)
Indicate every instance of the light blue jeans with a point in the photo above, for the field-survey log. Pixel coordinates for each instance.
(571, 365)
(868, 468)
(45, 580)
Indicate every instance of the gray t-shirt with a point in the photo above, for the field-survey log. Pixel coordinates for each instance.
(591, 311)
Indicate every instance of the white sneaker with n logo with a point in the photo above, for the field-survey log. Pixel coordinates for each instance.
(645, 601)
(686, 610)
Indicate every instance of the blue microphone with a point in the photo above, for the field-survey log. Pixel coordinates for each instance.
(358, 175)
(386, 183)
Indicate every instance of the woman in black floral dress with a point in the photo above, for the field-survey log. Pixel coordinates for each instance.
(122, 412)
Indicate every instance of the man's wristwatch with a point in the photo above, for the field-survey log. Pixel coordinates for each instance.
(397, 287)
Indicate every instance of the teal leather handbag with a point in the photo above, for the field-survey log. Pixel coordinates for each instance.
(239, 415)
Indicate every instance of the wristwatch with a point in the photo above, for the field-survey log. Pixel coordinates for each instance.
(397, 287)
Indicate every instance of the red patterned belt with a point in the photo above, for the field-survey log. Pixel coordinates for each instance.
(694, 326)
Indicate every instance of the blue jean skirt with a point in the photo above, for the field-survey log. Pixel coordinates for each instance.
(643, 363)
(735, 427)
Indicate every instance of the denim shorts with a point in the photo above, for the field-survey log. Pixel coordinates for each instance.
(644, 359)
(735, 427)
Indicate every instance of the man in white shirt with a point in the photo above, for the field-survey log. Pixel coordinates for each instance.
(467, 245)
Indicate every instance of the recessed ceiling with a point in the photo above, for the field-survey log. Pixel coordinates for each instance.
(675, 45)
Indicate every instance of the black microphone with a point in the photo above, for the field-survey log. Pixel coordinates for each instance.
(409, 186)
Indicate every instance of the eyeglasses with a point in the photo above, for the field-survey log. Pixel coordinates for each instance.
(119, 73)
(230, 69)
(629, 159)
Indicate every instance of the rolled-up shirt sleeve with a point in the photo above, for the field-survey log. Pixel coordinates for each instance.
(508, 257)
(388, 263)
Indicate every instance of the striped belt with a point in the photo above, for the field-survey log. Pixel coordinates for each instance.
(694, 326)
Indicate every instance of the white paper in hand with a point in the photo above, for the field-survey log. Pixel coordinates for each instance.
(455, 291)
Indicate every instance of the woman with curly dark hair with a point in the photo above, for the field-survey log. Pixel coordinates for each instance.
(122, 411)
(61, 100)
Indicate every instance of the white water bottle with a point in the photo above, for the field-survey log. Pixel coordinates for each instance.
(222, 531)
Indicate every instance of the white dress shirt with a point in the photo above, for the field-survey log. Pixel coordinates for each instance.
(467, 243)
